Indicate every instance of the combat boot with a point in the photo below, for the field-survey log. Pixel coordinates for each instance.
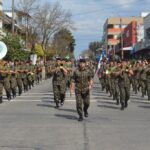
(122, 106)
(57, 105)
(117, 103)
(80, 118)
(126, 104)
(142, 95)
(1, 100)
(85, 112)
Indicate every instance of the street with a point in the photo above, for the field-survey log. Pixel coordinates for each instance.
(31, 122)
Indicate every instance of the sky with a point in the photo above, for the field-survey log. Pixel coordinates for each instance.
(89, 16)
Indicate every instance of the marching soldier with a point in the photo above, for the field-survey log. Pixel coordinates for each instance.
(7, 81)
(83, 84)
(1, 81)
(148, 81)
(59, 82)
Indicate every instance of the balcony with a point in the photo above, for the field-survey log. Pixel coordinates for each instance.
(113, 42)
(114, 31)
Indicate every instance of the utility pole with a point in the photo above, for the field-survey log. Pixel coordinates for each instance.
(13, 23)
(122, 52)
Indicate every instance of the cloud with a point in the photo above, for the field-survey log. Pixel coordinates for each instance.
(124, 3)
(89, 16)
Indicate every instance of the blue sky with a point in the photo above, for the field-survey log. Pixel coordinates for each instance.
(90, 15)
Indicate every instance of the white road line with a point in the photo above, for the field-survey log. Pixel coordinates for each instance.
(17, 100)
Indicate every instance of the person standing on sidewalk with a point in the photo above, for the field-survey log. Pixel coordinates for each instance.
(83, 84)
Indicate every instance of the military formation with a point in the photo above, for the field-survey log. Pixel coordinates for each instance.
(18, 77)
(118, 77)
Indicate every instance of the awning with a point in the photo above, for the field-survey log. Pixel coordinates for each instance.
(128, 48)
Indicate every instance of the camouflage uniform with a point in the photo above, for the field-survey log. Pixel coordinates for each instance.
(7, 82)
(1, 82)
(13, 84)
(19, 78)
(124, 86)
(59, 85)
(81, 79)
(148, 81)
(143, 81)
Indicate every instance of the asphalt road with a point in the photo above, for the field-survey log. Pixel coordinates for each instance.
(30, 122)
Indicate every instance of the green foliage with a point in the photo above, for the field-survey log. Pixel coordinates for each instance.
(93, 46)
(15, 48)
(38, 50)
(64, 42)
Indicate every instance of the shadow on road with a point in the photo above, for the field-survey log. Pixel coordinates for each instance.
(140, 102)
(106, 102)
(146, 107)
(46, 105)
(47, 101)
(104, 98)
(70, 117)
(67, 110)
(100, 94)
(109, 107)
(137, 98)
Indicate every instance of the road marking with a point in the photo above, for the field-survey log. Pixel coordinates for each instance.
(27, 100)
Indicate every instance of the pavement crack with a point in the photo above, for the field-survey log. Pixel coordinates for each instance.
(86, 137)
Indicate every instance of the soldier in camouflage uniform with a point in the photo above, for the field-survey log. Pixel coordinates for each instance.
(124, 84)
(90, 68)
(18, 69)
(83, 83)
(13, 83)
(143, 79)
(69, 74)
(102, 75)
(136, 76)
(59, 82)
(7, 86)
(116, 82)
(148, 80)
(1, 80)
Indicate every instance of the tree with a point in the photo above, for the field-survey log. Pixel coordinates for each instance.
(87, 53)
(26, 10)
(15, 48)
(64, 42)
(38, 50)
(49, 19)
(94, 46)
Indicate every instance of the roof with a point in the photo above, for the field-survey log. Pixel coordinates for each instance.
(18, 12)
(126, 20)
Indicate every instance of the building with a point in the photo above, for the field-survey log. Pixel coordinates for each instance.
(143, 47)
(113, 29)
(20, 19)
(132, 34)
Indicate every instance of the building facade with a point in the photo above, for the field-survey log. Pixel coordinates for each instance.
(113, 30)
